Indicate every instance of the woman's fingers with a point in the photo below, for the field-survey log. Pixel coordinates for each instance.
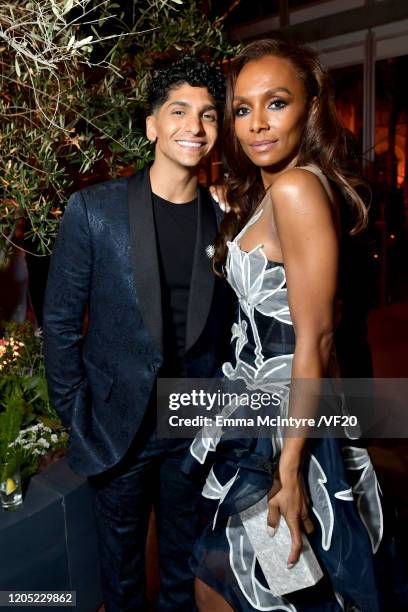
(296, 524)
(293, 523)
(273, 518)
(275, 488)
(292, 503)
(307, 523)
(308, 526)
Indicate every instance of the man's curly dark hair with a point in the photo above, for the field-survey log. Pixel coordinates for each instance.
(190, 70)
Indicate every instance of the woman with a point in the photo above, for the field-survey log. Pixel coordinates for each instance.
(291, 187)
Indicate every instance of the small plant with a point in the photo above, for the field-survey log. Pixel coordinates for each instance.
(29, 426)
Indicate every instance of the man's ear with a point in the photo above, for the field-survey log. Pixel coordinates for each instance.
(151, 132)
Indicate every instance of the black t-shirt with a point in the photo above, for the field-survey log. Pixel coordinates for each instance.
(176, 228)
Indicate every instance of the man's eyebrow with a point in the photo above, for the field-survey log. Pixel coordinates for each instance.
(179, 103)
(268, 93)
(207, 107)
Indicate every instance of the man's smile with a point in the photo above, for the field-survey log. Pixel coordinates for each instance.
(191, 144)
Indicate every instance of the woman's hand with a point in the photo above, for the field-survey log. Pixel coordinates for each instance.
(290, 500)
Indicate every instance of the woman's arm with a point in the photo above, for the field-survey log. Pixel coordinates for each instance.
(306, 229)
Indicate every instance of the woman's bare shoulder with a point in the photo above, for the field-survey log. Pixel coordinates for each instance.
(295, 179)
(299, 188)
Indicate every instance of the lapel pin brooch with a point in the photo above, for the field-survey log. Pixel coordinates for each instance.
(210, 251)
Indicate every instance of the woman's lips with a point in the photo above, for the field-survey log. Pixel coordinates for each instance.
(263, 145)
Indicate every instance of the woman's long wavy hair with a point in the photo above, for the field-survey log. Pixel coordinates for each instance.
(324, 142)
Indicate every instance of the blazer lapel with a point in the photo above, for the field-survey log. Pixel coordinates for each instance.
(144, 253)
(202, 278)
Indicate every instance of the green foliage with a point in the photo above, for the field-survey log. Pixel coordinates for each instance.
(29, 426)
(73, 76)
(10, 423)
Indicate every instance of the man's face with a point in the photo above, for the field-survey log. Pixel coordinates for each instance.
(184, 127)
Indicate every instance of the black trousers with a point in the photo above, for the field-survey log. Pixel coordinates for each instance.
(123, 497)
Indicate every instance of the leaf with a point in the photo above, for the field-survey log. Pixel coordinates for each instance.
(71, 42)
(10, 423)
(177, 1)
(68, 6)
(53, 424)
(17, 65)
(12, 465)
(55, 10)
(81, 43)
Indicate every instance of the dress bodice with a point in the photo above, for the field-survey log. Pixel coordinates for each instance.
(264, 332)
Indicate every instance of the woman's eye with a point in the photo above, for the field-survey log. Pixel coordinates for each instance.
(277, 104)
(241, 111)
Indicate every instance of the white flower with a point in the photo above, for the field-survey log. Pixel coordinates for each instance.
(54, 438)
(43, 442)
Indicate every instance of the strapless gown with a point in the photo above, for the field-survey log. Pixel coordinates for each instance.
(344, 493)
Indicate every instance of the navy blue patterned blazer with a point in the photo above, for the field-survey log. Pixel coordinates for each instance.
(105, 262)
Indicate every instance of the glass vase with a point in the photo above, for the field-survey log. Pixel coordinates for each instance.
(11, 496)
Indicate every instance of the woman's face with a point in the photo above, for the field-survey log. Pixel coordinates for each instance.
(270, 108)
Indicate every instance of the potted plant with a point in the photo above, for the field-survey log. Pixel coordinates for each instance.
(30, 430)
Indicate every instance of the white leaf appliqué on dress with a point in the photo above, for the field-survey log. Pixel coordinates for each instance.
(367, 491)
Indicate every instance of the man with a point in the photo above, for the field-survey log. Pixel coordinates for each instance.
(133, 252)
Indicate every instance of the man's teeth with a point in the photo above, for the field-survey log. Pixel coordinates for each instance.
(188, 143)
